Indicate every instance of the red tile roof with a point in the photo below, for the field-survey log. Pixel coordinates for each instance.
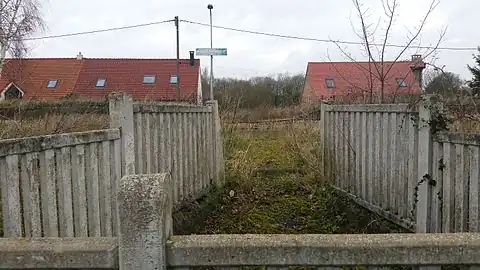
(353, 77)
(79, 77)
(32, 76)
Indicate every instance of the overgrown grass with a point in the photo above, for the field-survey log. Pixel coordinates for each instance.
(51, 124)
(274, 186)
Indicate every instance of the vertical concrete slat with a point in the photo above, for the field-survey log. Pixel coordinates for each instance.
(48, 193)
(364, 156)
(64, 182)
(93, 195)
(155, 127)
(358, 150)
(412, 165)
(116, 172)
(164, 155)
(370, 159)
(175, 154)
(30, 174)
(387, 169)
(182, 154)
(10, 189)
(139, 152)
(379, 167)
(79, 191)
(448, 222)
(393, 185)
(205, 149)
(105, 190)
(147, 142)
(404, 167)
(461, 189)
(474, 197)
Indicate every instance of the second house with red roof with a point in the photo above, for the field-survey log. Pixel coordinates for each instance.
(332, 80)
(95, 78)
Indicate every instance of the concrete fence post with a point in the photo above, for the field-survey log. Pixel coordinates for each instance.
(121, 116)
(145, 212)
(219, 161)
(425, 150)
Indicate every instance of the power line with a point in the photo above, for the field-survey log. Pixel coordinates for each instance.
(100, 30)
(329, 40)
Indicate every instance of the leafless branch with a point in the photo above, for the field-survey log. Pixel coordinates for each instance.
(18, 20)
(365, 33)
(432, 7)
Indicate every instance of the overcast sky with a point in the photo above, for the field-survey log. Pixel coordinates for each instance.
(248, 54)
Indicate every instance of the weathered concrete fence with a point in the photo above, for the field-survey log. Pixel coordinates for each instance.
(387, 158)
(145, 241)
(65, 184)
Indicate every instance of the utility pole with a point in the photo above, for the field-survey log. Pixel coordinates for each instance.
(178, 58)
(210, 7)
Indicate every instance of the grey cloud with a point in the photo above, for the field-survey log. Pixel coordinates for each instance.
(249, 55)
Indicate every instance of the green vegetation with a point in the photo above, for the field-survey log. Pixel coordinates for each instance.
(272, 189)
(19, 109)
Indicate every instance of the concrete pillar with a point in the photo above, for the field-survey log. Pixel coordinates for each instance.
(219, 161)
(145, 213)
(423, 206)
(121, 116)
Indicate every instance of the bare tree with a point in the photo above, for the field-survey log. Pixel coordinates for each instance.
(18, 20)
(378, 68)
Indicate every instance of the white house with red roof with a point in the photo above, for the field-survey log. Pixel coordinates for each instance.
(95, 78)
(329, 80)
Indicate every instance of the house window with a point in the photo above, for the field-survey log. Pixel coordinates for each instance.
(330, 83)
(101, 82)
(173, 79)
(149, 79)
(52, 84)
(401, 82)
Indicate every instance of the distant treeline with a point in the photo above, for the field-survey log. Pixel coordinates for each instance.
(278, 91)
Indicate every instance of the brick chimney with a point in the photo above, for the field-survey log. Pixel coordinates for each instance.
(79, 56)
(417, 68)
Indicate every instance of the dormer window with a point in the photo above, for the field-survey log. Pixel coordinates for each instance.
(101, 82)
(149, 79)
(52, 84)
(401, 82)
(330, 83)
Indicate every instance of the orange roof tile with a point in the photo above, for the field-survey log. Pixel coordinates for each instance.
(80, 77)
(32, 76)
(354, 77)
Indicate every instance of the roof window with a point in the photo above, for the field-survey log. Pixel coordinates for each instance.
(173, 79)
(101, 82)
(330, 83)
(52, 84)
(150, 79)
(401, 82)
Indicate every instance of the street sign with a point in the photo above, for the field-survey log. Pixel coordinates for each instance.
(211, 51)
